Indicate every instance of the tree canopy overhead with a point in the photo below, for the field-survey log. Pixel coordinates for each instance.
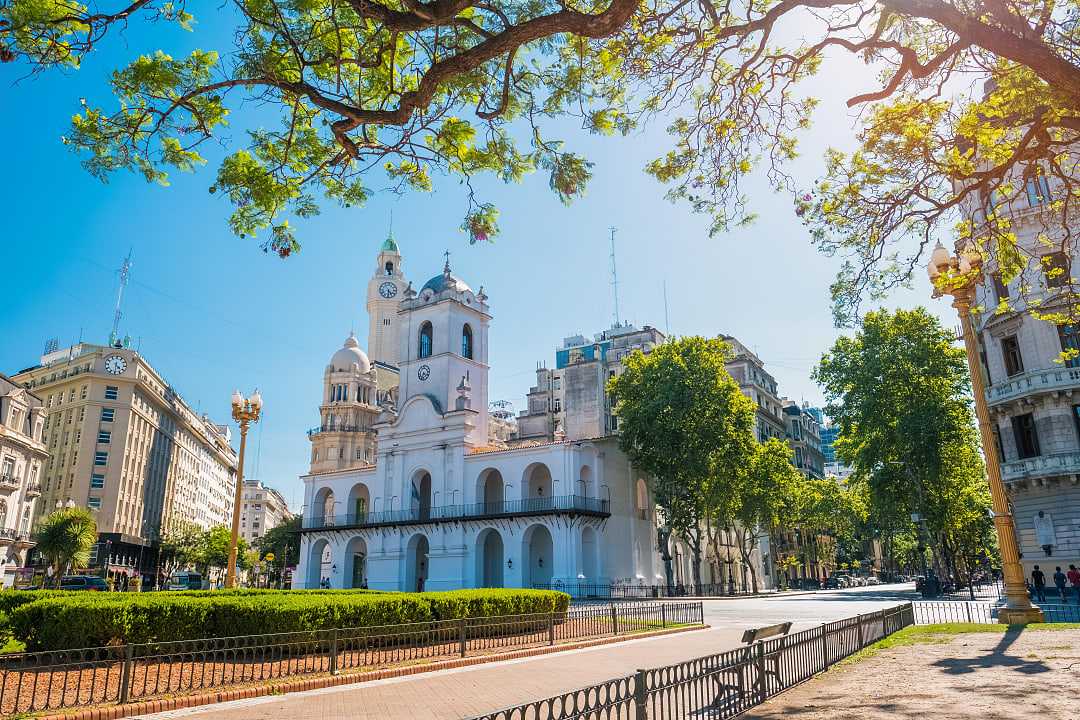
(370, 90)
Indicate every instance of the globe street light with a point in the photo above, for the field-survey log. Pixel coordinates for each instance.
(958, 276)
(244, 412)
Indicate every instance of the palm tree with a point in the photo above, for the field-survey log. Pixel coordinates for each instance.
(64, 539)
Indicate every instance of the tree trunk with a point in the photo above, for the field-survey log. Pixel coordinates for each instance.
(695, 550)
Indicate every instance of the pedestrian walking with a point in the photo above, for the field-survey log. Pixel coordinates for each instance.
(1059, 582)
(1038, 581)
(1074, 578)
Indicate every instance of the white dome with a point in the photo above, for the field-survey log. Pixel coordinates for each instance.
(350, 355)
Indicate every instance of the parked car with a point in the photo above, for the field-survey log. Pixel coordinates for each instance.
(91, 583)
(872, 581)
(832, 583)
(185, 580)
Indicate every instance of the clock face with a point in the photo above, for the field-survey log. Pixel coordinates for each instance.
(388, 290)
(114, 365)
(423, 372)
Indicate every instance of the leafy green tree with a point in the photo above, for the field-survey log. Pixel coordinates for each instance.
(65, 537)
(361, 93)
(899, 390)
(283, 541)
(179, 547)
(768, 500)
(684, 422)
(212, 549)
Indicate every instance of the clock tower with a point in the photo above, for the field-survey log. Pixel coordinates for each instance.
(384, 294)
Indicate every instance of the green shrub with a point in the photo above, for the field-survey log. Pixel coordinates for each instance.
(69, 620)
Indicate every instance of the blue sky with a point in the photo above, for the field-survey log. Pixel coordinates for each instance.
(211, 312)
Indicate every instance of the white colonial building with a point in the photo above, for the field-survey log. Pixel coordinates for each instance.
(442, 502)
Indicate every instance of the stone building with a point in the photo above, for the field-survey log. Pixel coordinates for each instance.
(262, 508)
(1033, 392)
(451, 502)
(804, 437)
(22, 460)
(123, 443)
(756, 383)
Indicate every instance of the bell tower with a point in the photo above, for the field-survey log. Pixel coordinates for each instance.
(444, 348)
(383, 296)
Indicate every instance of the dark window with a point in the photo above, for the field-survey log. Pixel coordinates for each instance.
(466, 342)
(1027, 440)
(1056, 269)
(1070, 340)
(425, 340)
(1038, 190)
(1001, 290)
(107, 414)
(111, 392)
(389, 268)
(1010, 350)
(997, 444)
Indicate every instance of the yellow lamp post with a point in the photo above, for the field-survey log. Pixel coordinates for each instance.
(958, 276)
(244, 411)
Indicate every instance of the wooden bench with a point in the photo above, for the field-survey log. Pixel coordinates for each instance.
(768, 664)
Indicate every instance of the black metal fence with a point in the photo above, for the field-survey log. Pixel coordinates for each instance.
(717, 686)
(31, 682)
(934, 612)
(593, 591)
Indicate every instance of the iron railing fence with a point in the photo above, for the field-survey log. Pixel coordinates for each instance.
(934, 612)
(991, 590)
(718, 686)
(422, 514)
(602, 591)
(55, 680)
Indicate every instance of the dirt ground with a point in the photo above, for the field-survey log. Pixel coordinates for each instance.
(1016, 674)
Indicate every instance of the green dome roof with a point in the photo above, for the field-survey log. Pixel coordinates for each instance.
(389, 245)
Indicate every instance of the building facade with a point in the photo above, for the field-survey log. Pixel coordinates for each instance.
(447, 502)
(23, 457)
(262, 508)
(123, 443)
(1032, 389)
(804, 436)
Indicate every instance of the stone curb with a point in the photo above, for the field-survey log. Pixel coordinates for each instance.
(146, 707)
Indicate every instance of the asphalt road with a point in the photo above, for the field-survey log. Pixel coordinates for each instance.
(805, 610)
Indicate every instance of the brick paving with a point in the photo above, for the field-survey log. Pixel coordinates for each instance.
(466, 692)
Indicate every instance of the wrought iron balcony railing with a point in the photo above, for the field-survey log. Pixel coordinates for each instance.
(561, 504)
(9, 482)
(336, 428)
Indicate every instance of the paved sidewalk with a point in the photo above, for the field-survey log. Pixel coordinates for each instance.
(466, 692)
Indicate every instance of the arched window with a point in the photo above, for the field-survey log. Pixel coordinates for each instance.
(389, 268)
(466, 341)
(425, 340)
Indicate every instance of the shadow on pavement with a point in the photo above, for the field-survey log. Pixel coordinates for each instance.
(995, 658)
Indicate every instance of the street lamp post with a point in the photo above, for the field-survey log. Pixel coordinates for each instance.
(958, 276)
(244, 411)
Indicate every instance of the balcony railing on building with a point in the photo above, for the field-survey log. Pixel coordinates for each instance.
(16, 535)
(336, 428)
(531, 506)
(33, 489)
(1033, 381)
(1067, 463)
(9, 482)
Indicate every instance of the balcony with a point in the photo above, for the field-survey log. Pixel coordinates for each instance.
(560, 505)
(1033, 382)
(33, 490)
(9, 482)
(1042, 466)
(336, 428)
(19, 536)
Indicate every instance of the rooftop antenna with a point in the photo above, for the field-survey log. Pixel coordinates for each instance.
(125, 270)
(667, 322)
(614, 277)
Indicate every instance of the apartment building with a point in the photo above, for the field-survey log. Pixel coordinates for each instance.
(22, 457)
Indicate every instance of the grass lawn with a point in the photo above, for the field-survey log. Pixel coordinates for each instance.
(942, 633)
(12, 646)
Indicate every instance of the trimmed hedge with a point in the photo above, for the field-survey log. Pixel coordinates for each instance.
(80, 619)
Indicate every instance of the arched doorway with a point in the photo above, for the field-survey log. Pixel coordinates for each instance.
(537, 552)
(416, 563)
(584, 483)
(490, 491)
(489, 559)
(420, 489)
(589, 549)
(537, 487)
(322, 509)
(315, 577)
(359, 502)
(355, 571)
